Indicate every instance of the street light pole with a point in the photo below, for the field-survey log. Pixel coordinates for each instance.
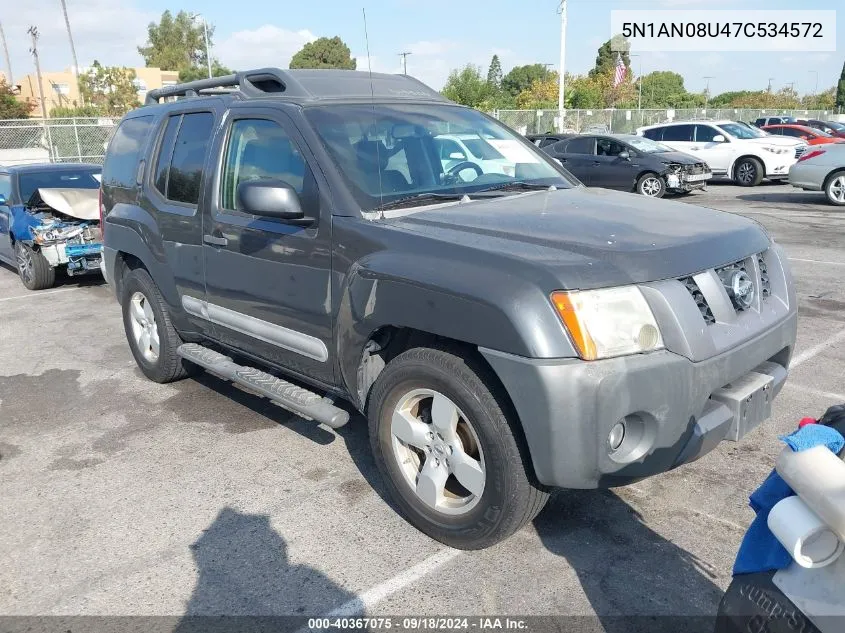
(72, 51)
(207, 47)
(707, 92)
(639, 79)
(816, 90)
(562, 66)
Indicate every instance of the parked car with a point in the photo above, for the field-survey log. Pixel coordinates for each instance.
(479, 154)
(49, 219)
(822, 169)
(833, 128)
(541, 140)
(730, 149)
(630, 163)
(810, 135)
(295, 232)
(774, 120)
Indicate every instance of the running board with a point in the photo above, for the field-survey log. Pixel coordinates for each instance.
(296, 399)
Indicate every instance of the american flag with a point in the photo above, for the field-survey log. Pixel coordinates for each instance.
(621, 71)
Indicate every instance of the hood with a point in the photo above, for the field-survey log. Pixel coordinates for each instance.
(786, 141)
(82, 204)
(590, 238)
(675, 157)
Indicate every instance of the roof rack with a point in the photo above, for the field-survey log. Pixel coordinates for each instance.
(312, 84)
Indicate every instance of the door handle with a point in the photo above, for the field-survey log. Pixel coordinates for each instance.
(215, 241)
(596, 162)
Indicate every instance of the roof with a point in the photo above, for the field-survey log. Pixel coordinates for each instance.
(688, 122)
(304, 86)
(33, 167)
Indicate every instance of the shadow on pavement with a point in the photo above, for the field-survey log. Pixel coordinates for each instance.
(636, 580)
(795, 196)
(245, 575)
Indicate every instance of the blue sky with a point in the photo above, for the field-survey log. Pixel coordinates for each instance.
(441, 36)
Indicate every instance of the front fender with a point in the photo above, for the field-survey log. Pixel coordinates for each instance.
(459, 301)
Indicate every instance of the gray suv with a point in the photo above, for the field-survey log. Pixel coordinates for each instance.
(503, 331)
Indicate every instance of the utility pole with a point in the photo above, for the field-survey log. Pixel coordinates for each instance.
(6, 54)
(33, 31)
(769, 89)
(707, 91)
(404, 57)
(72, 51)
(562, 66)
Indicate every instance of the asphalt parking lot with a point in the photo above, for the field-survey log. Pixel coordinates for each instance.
(120, 496)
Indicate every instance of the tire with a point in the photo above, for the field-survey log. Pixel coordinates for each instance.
(146, 321)
(748, 172)
(834, 188)
(33, 268)
(495, 493)
(651, 185)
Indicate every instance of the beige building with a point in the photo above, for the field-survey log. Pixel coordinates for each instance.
(60, 89)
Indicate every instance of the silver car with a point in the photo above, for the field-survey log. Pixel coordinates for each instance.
(822, 169)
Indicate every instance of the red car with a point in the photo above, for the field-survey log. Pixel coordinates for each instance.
(811, 135)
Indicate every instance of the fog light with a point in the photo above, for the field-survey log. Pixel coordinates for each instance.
(616, 436)
(648, 337)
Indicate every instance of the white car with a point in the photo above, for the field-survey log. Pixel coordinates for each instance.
(454, 149)
(735, 150)
(822, 169)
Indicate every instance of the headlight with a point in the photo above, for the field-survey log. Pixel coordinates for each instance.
(608, 322)
(775, 150)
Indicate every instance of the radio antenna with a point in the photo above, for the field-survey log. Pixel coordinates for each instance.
(373, 102)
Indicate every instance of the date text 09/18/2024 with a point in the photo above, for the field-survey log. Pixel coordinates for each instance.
(427, 623)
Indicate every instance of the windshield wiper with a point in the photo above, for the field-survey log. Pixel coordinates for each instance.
(420, 199)
(519, 185)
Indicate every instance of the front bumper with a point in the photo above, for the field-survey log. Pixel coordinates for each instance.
(568, 407)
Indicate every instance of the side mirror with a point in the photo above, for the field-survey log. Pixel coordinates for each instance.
(625, 154)
(457, 156)
(270, 198)
(718, 139)
(2, 200)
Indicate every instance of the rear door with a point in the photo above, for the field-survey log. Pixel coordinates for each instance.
(577, 156)
(717, 154)
(268, 280)
(611, 171)
(5, 216)
(680, 137)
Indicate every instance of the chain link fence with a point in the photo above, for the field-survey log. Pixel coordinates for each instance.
(75, 140)
(627, 121)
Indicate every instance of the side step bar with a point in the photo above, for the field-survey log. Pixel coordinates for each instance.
(296, 399)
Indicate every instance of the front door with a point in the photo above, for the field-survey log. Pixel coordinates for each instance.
(612, 171)
(268, 280)
(5, 216)
(719, 155)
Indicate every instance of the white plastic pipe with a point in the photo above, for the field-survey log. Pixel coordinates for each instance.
(817, 475)
(804, 535)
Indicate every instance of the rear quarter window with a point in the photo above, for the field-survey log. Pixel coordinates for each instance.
(125, 150)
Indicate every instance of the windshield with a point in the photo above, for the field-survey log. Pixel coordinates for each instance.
(647, 146)
(839, 127)
(391, 152)
(29, 181)
(818, 132)
(742, 131)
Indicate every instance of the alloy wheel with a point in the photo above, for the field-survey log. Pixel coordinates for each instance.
(144, 328)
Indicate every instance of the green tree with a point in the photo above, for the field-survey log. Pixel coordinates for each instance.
(468, 87)
(201, 72)
(840, 89)
(540, 95)
(324, 52)
(175, 43)
(10, 106)
(665, 89)
(68, 112)
(583, 92)
(823, 101)
(608, 53)
(494, 73)
(521, 77)
(727, 99)
(109, 89)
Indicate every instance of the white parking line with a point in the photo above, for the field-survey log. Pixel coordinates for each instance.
(372, 597)
(34, 295)
(817, 392)
(816, 261)
(806, 355)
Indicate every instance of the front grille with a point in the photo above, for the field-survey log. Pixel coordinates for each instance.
(799, 151)
(726, 272)
(700, 301)
(765, 284)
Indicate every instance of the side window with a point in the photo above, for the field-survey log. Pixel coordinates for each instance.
(760, 122)
(259, 149)
(705, 133)
(6, 188)
(120, 167)
(165, 153)
(655, 134)
(608, 147)
(189, 152)
(775, 130)
(446, 147)
(549, 140)
(788, 131)
(582, 145)
(678, 133)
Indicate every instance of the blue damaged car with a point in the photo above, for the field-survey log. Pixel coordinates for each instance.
(49, 219)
